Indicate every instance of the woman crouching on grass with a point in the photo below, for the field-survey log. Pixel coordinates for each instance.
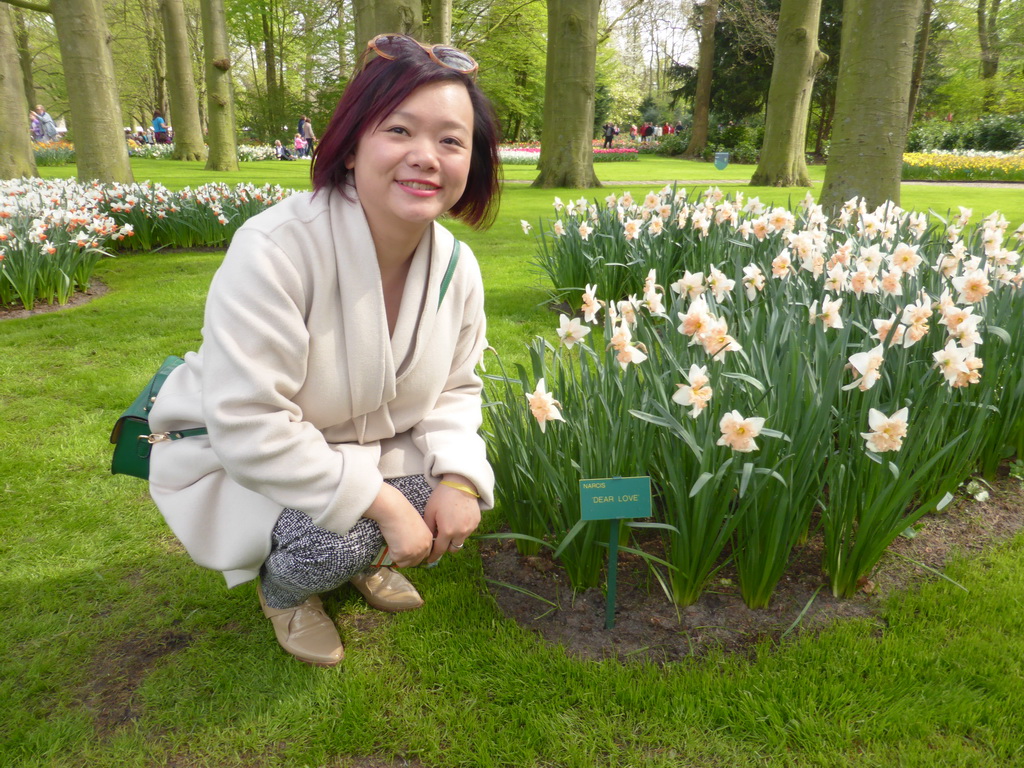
(337, 372)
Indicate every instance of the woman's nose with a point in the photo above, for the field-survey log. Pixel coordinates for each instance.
(423, 155)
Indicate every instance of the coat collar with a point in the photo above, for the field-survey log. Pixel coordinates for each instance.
(379, 362)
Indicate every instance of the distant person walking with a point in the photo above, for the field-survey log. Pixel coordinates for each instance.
(159, 127)
(308, 136)
(46, 124)
(609, 135)
(34, 127)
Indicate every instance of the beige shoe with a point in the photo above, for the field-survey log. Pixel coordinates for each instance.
(305, 631)
(387, 590)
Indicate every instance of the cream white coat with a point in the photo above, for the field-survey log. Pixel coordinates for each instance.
(308, 401)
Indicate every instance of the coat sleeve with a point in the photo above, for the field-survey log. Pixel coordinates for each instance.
(255, 353)
(449, 435)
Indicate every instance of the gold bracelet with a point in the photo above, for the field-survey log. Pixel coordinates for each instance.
(461, 487)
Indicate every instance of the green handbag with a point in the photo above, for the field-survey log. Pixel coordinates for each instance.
(131, 436)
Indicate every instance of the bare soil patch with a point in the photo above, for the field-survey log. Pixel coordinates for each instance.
(116, 674)
(648, 628)
(96, 289)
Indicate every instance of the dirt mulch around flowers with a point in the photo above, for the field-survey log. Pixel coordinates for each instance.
(96, 289)
(648, 627)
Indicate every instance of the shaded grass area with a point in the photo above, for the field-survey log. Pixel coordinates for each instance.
(117, 650)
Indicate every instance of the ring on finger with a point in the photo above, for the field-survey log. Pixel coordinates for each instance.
(453, 545)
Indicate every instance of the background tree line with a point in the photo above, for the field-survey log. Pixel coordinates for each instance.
(555, 69)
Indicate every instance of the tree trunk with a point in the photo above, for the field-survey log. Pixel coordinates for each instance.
(378, 17)
(219, 97)
(275, 113)
(343, 51)
(566, 148)
(797, 61)
(24, 55)
(988, 38)
(149, 17)
(875, 61)
(920, 55)
(188, 137)
(88, 65)
(441, 21)
(194, 29)
(16, 158)
(828, 109)
(365, 24)
(705, 67)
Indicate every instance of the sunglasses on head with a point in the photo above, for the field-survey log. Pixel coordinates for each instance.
(393, 47)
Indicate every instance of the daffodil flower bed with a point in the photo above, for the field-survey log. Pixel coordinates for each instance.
(530, 155)
(53, 232)
(964, 166)
(775, 373)
(63, 153)
(150, 151)
(53, 153)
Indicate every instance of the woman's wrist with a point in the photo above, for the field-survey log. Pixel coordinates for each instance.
(460, 483)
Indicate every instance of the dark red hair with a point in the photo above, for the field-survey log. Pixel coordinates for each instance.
(374, 93)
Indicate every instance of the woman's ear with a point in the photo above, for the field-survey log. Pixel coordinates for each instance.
(350, 161)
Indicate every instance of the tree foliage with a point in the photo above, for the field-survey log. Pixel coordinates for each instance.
(507, 38)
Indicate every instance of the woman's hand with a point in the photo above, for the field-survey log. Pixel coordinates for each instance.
(407, 535)
(451, 515)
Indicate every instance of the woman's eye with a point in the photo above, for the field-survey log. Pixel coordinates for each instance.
(452, 141)
(397, 129)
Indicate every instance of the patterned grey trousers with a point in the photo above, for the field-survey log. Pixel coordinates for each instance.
(306, 560)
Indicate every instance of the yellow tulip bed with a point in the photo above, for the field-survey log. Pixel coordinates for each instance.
(963, 166)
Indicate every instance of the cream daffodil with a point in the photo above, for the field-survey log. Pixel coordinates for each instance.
(571, 331)
(696, 394)
(887, 432)
(543, 406)
(738, 433)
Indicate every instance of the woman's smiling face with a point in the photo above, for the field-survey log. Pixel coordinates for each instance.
(413, 166)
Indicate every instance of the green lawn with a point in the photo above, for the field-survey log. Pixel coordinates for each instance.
(117, 651)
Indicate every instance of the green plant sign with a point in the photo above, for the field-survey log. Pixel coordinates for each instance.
(614, 498)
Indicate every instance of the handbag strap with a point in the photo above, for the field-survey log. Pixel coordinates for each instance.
(157, 382)
(446, 280)
(155, 386)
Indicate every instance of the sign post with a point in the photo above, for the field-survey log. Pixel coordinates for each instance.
(614, 499)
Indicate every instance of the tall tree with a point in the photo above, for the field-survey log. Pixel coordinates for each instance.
(797, 60)
(139, 58)
(705, 67)
(441, 21)
(188, 137)
(24, 54)
(342, 31)
(275, 89)
(16, 158)
(920, 57)
(100, 149)
(566, 149)
(219, 94)
(512, 65)
(866, 156)
(988, 38)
